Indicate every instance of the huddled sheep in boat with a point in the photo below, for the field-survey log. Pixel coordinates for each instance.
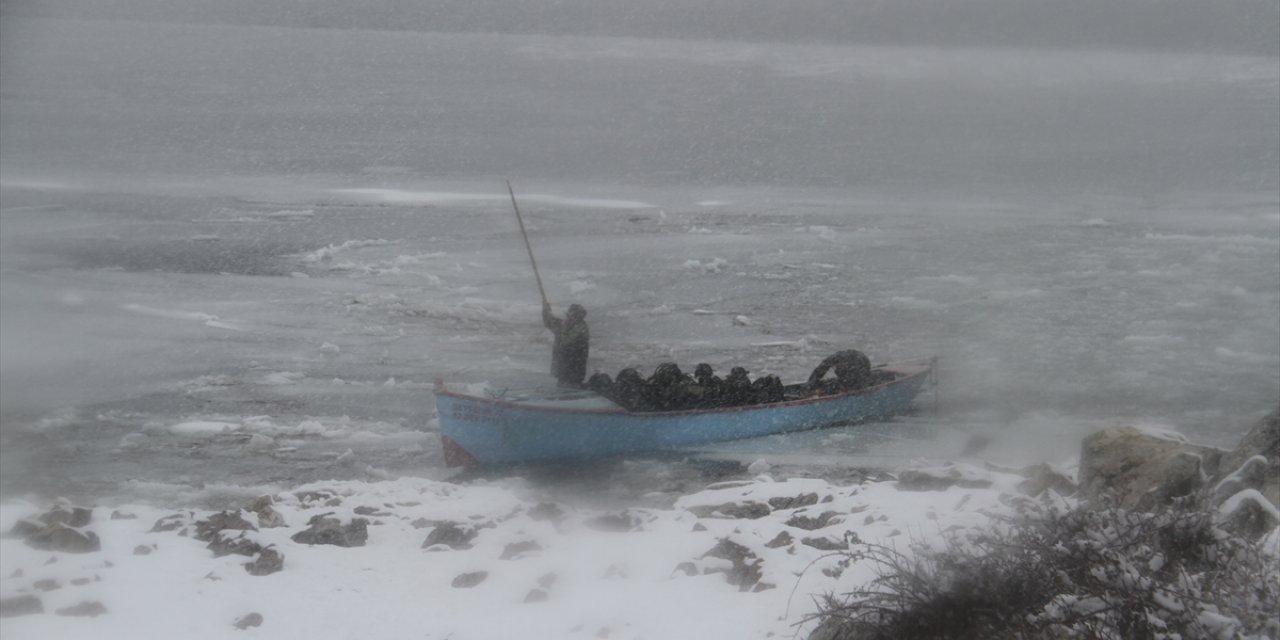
(670, 389)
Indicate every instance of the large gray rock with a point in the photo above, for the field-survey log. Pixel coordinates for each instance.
(1248, 514)
(86, 609)
(251, 620)
(748, 510)
(1143, 469)
(547, 511)
(208, 528)
(60, 537)
(1043, 477)
(268, 561)
(825, 544)
(268, 517)
(68, 514)
(793, 502)
(943, 478)
(172, 522)
(1253, 474)
(746, 569)
(61, 528)
(1263, 440)
(781, 540)
(519, 549)
(328, 530)
(226, 543)
(451, 534)
(20, 606)
(811, 523)
(24, 527)
(469, 580)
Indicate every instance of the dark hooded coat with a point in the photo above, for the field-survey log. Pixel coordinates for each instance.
(572, 343)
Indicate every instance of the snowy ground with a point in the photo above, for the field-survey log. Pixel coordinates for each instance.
(535, 568)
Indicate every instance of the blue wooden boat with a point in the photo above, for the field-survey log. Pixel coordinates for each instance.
(529, 425)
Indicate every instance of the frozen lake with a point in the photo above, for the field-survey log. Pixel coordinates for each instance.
(238, 256)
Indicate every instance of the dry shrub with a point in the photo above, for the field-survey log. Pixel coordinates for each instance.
(1067, 573)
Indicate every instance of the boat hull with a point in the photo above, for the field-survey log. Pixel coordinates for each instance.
(489, 431)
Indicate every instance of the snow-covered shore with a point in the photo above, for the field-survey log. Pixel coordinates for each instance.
(490, 559)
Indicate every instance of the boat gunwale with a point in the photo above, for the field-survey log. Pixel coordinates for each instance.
(622, 411)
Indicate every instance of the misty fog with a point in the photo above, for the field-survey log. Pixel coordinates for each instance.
(1074, 205)
(241, 241)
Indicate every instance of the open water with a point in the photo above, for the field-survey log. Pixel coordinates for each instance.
(234, 257)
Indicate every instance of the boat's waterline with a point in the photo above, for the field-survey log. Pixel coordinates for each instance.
(484, 431)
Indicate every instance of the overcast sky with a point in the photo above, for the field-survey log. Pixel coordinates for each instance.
(1228, 26)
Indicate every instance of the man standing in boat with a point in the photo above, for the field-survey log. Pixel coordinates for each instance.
(572, 341)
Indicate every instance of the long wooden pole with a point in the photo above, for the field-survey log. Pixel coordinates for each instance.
(527, 246)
